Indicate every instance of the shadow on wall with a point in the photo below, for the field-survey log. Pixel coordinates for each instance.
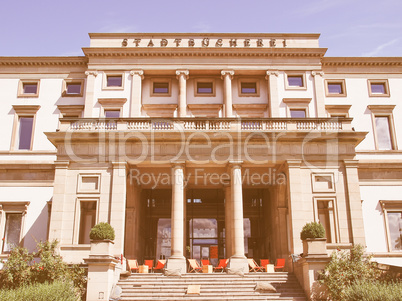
(38, 231)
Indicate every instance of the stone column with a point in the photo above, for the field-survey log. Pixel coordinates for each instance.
(227, 76)
(182, 76)
(238, 260)
(355, 206)
(118, 205)
(319, 94)
(59, 193)
(136, 92)
(89, 93)
(228, 221)
(273, 105)
(177, 259)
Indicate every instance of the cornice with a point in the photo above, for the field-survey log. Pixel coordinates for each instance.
(361, 61)
(43, 61)
(203, 52)
(223, 35)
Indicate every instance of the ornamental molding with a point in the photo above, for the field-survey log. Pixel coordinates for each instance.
(183, 73)
(320, 73)
(93, 73)
(227, 73)
(271, 73)
(43, 61)
(139, 73)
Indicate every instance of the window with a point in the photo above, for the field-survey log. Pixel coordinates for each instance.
(160, 88)
(378, 88)
(248, 87)
(323, 182)
(383, 127)
(112, 113)
(88, 183)
(113, 81)
(297, 107)
(393, 224)
(338, 111)
(111, 107)
(72, 88)
(87, 220)
(335, 87)
(28, 88)
(24, 127)
(326, 217)
(12, 215)
(295, 80)
(297, 113)
(72, 111)
(204, 88)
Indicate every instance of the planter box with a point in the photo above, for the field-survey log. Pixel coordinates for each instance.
(314, 246)
(101, 247)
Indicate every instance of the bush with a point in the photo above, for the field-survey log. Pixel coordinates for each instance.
(373, 291)
(347, 268)
(312, 230)
(102, 231)
(16, 270)
(56, 291)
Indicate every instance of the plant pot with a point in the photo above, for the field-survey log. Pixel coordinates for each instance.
(314, 246)
(102, 247)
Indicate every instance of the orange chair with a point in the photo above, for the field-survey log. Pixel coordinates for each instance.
(264, 263)
(194, 266)
(221, 265)
(133, 265)
(254, 267)
(280, 264)
(205, 262)
(150, 264)
(160, 265)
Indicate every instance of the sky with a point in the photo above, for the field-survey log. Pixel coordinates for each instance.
(60, 28)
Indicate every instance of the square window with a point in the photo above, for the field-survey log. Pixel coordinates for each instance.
(112, 113)
(335, 88)
(297, 113)
(205, 88)
(160, 88)
(25, 132)
(73, 88)
(28, 88)
(378, 88)
(248, 88)
(114, 81)
(295, 81)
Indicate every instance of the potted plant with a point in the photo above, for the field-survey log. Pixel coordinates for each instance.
(313, 237)
(102, 236)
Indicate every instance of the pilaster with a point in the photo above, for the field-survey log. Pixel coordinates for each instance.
(182, 76)
(319, 93)
(136, 92)
(90, 93)
(273, 105)
(227, 76)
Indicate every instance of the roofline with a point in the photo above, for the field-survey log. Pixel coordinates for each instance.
(43, 60)
(361, 61)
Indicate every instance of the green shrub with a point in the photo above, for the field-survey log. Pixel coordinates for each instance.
(312, 230)
(345, 269)
(373, 291)
(16, 270)
(102, 231)
(56, 291)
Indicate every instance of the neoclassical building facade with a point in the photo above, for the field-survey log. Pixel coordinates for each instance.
(201, 146)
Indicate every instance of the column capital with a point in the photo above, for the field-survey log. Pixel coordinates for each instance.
(320, 73)
(119, 164)
(92, 72)
(184, 73)
(271, 73)
(293, 163)
(178, 164)
(235, 164)
(228, 73)
(351, 163)
(138, 72)
(61, 164)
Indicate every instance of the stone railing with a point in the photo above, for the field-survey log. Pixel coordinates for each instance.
(206, 124)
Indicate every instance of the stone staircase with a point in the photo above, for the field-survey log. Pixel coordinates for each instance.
(213, 287)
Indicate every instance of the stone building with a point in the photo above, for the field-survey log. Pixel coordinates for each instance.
(201, 145)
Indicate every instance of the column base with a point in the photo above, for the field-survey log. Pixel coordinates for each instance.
(238, 264)
(176, 263)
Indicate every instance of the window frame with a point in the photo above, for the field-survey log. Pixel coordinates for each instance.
(383, 111)
(294, 74)
(390, 206)
(113, 73)
(204, 80)
(297, 104)
(22, 82)
(161, 80)
(23, 111)
(77, 216)
(342, 82)
(111, 104)
(68, 81)
(16, 207)
(248, 80)
(336, 234)
(314, 181)
(378, 81)
(80, 188)
(338, 111)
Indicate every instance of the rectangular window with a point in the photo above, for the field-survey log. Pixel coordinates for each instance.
(335, 87)
(12, 232)
(383, 133)
(395, 230)
(248, 88)
(378, 88)
(205, 88)
(160, 88)
(326, 217)
(28, 88)
(25, 132)
(73, 88)
(114, 81)
(112, 113)
(297, 113)
(87, 220)
(295, 81)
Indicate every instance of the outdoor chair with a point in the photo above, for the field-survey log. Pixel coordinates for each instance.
(221, 265)
(254, 267)
(150, 264)
(205, 262)
(280, 264)
(159, 265)
(264, 263)
(133, 265)
(194, 266)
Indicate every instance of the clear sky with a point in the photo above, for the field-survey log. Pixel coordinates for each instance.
(60, 28)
